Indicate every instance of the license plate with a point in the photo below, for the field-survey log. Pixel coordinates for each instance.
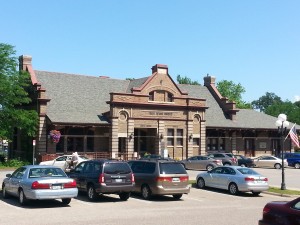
(118, 180)
(176, 179)
(56, 187)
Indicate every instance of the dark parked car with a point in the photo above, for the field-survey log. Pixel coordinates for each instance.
(281, 213)
(227, 158)
(160, 177)
(244, 161)
(96, 177)
(293, 159)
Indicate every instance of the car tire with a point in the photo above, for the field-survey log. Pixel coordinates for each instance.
(177, 197)
(227, 164)
(243, 165)
(297, 165)
(22, 198)
(146, 192)
(277, 166)
(209, 167)
(91, 193)
(4, 193)
(66, 201)
(256, 193)
(201, 183)
(233, 189)
(124, 196)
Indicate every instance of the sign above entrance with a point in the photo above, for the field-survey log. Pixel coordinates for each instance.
(166, 114)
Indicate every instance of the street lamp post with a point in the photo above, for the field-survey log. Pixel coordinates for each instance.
(282, 124)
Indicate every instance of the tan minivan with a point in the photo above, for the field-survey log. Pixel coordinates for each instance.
(160, 177)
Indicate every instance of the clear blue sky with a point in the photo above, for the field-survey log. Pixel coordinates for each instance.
(255, 43)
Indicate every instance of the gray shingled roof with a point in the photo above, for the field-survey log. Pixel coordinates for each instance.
(82, 99)
(78, 98)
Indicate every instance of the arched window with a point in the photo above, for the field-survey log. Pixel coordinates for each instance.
(169, 97)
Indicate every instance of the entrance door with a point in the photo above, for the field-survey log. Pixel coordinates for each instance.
(145, 140)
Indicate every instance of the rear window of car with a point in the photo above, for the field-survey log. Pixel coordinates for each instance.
(247, 171)
(171, 168)
(117, 168)
(46, 172)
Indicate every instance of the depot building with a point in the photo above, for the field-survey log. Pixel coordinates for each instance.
(114, 118)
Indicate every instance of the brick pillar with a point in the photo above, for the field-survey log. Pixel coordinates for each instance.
(130, 141)
(203, 139)
(190, 128)
(114, 140)
(162, 144)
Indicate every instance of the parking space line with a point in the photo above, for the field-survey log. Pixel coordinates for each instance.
(82, 202)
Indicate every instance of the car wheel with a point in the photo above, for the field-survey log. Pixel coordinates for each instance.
(233, 189)
(124, 196)
(4, 193)
(201, 183)
(277, 166)
(22, 198)
(209, 167)
(146, 192)
(227, 164)
(243, 165)
(256, 193)
(91, 193)
(177, 197)
(297, 165)
(66, 201)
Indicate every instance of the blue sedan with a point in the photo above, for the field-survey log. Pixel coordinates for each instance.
(235, 179)
(37, 182)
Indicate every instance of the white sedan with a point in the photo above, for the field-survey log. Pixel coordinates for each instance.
(235, 179)
(269, 161)
(63, 162)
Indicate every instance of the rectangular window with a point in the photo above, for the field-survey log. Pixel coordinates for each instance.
(170, 138)
(179, 137)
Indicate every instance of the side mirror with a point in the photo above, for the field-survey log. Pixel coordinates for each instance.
(8, 175)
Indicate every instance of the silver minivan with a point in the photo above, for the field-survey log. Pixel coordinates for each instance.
(160, 177)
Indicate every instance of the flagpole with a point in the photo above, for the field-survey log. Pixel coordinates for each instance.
(290, 131)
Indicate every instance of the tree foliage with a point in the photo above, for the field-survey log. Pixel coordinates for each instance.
(292, 110)
(14, 97)
(233, 92)
(186, 80)
(265, 101)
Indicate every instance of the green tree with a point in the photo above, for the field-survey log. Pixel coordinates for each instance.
(233, 92)
(292, 110)
(14, 96)
(265, 101)
(186, 80)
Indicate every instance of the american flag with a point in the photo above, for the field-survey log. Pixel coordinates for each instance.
(293, 136)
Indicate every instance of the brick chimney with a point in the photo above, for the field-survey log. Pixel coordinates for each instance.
(160, 68)
(24, 61)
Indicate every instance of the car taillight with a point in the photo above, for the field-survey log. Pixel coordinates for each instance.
(249, 179)
(217, 161)
(71, 184)
(164, 179)
(132, 178)
(266, 210)
(37, 185)
(265, 179)
(101, 178)
(186, 178)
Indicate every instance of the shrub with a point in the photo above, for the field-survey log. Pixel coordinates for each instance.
(14, 163)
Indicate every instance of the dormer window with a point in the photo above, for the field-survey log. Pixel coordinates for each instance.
(169, 97)
(151, 96)
(161, 96)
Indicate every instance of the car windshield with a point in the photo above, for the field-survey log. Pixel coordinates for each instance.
(46, 172)
(172, 168)
(247, 171)
(117, 168)
(83, 157)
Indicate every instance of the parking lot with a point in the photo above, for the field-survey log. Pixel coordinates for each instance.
(208, 206)
(199, 207)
